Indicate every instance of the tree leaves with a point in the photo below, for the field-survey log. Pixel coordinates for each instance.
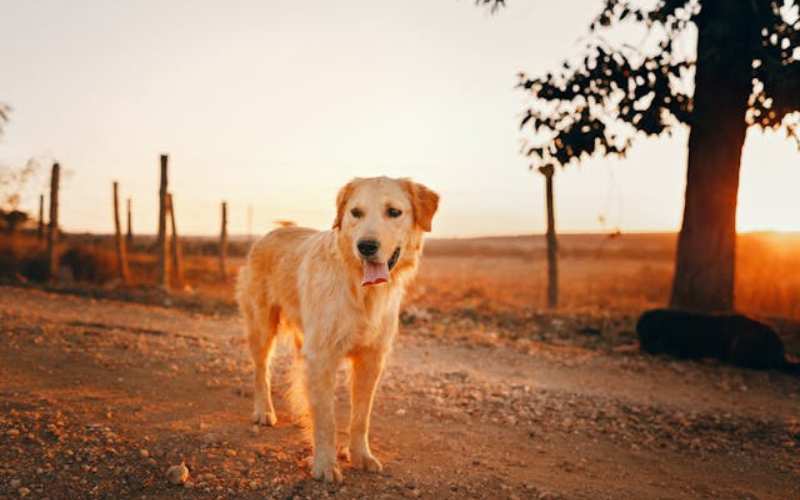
(617, 92)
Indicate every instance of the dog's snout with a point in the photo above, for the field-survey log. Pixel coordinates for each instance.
(368, 248)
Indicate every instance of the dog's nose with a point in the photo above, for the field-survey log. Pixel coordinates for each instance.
(368, 248)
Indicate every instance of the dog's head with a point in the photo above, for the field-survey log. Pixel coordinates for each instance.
(380, 222)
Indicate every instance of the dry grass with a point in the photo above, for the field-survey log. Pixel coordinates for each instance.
(508, 274)
(624, 274)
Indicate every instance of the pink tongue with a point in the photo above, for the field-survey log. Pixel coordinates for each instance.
(375, 273)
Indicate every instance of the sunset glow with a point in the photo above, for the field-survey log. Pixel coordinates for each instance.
(273, 107)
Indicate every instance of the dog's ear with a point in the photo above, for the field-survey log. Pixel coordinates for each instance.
(424, 203)
(341, 201)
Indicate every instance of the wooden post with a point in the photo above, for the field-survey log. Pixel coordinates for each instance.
(122, 257)
(552, 244)
(129, 236)
(223, 243)
(162, 201)
(40, 231)
(52, 231)
(177, 267)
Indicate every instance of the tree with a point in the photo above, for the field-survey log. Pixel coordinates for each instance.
(14, 182)
(743, 71)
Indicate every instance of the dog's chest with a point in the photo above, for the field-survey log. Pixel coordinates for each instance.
(379, 313)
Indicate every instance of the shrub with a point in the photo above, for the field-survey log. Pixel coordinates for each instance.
(89, 263)
(15, 252)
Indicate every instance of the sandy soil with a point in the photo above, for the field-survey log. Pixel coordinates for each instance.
(98, 398)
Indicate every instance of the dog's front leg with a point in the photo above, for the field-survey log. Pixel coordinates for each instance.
(367, 368)
(320, 388)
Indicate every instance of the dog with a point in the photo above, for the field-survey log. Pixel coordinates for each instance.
(732, 338)
(339, 293)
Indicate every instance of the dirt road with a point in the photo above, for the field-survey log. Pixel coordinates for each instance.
(99, 398)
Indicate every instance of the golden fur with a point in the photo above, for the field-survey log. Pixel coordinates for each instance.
(309, 283)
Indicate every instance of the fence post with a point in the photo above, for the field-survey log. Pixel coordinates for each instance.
(40, 231)
(177, 266)
(122, 257)
(129, 235)
(552, 244)
(223, 243)
(52, 232)
(162, 201)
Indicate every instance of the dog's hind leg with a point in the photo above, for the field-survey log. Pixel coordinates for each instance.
(261, 332)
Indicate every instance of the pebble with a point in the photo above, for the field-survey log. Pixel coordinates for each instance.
(178, 474)
(23, 492)
(144, 453)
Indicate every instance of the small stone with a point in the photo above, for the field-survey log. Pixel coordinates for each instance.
(12, 433)
(230, 453)
(178, 474)
(23, 492)
(144, 453)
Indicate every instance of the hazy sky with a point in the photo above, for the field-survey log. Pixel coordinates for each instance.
(276, 104)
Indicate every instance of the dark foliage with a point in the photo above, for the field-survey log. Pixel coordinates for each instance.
(12, 219)
(89, 264)
(26, 257)
(600, 103)
(732, 338)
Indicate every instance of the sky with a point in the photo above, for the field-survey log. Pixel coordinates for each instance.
(276, 104)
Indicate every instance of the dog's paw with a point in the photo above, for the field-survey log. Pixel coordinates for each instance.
(263, 417)
(326, 470)
(366, 462)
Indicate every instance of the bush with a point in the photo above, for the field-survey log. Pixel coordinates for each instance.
(27, 257)
(89, 263)
(16, 251)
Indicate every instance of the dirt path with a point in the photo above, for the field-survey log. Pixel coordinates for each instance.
(98, 398)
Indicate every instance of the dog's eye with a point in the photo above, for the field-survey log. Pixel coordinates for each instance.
(393, 212)
(357, 213)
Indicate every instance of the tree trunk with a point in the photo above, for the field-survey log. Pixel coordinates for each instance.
(52, 230)
(223, 243)
(705, 261)
(122, 255)
(552, 243)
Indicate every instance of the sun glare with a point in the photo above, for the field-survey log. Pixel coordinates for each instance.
(769, 185)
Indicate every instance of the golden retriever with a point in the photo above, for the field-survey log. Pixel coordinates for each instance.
(339, 293)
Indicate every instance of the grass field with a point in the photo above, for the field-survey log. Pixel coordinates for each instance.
(627, 273)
